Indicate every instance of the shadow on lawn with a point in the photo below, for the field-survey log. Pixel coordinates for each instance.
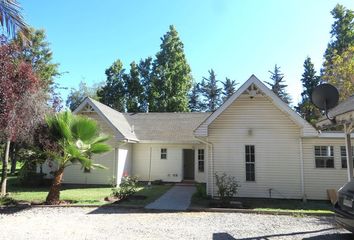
(345, 236)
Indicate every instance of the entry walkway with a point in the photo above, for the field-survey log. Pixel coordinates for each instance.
(177, 198)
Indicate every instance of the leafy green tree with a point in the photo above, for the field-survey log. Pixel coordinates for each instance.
(211, 92)
(77, 138)
(340, 72)
(171, 76)
(309, 81)
(195, 104)
(229, 88)
(342, 32)
(38, 53)
(339, 56)
(135, 90)
(144, 69)
(11, 19)
(113, 93)
(76, 96)
(277, 85)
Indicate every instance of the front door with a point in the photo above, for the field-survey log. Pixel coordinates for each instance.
(188, 164)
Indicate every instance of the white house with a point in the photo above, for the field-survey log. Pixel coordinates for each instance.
(254, 136)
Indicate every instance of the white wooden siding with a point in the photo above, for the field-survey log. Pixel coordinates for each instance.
(277, 150)
(169, 170)
(124, 161)
(318, 180)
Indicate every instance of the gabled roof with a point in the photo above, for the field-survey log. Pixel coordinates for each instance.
(307, 129)
(113, 118)
(166, 127)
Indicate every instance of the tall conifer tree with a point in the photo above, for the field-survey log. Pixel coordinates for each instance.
(277, 85)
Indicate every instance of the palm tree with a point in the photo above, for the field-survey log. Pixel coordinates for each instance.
(11, 18)
(77, 138)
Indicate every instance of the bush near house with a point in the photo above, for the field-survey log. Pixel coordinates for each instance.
(128, 187)
(227, 187)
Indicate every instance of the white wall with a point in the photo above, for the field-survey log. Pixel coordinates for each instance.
(318, 180)
(124, 161)
(169, 170)
(277, 149)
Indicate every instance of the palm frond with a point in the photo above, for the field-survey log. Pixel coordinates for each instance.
(84, 128)
(11, 18)
(101, 139)
(100, 148)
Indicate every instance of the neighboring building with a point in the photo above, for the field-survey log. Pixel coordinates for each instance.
(254, 136)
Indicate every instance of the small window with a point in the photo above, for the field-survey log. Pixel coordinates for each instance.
(201, 160)
(163, 153)
(343, 156)
(250, 163)
(324, 157)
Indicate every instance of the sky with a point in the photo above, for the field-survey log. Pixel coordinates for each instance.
(235, 38)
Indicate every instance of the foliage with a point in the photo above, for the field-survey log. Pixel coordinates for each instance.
(77, 137)
(229, 88)
(201, 190)
(38, 53)
(144, 69)
(134, 90)
(77, 96)
(171, 76)
(309, 81)
(195, 103)
(277, 85)
(11, 19)
(211, 92)
(227, 186)
(128, 187)
(113, 92)
(342, 33)
(341, 72)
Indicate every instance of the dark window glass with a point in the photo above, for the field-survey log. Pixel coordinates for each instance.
(250, 163)
(201, 157)
(324, 157)
(343, 156)
(163, 153)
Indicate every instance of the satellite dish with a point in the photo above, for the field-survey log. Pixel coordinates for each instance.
(325, 96)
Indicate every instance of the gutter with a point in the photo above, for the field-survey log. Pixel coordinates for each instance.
(302, 171)
(212, 163)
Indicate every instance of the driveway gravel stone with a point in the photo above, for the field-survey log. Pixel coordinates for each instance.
(112, 223)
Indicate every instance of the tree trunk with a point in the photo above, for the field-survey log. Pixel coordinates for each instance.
(53, 197)
(13, 153)
(5, 160)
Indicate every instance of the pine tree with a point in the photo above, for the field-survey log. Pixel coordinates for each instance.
(135, 91)
(338, 67)
(171, 76)
(195, 104)
(229, 88)
(144, 69)
(277, 85)
(309, 81)
(211, 92)
(113, 92)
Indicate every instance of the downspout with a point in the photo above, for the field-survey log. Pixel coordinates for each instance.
(302, 171)
(211, 163)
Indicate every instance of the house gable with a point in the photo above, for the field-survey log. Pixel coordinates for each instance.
(252, 87)
(114, 119)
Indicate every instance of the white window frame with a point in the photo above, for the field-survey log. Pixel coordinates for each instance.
(163, 153)
(201, 159)
(326, 153)
(343, 156)
(250, 160)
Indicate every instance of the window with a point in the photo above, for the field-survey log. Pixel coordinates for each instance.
(343, 156)
(324, 157)
(163, 153)
(250, 163)
(201, 160)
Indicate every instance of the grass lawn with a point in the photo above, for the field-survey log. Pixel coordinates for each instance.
(80, 195)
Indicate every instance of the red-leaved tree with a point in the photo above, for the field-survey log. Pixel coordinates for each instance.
(19, 89)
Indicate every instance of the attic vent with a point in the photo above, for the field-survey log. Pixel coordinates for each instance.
(252, 91)
(88, 108)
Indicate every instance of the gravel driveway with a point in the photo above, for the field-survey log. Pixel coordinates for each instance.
(110, 223)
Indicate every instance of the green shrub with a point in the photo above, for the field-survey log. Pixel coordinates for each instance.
(127, 187)
(227, 187)
(201, 190)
